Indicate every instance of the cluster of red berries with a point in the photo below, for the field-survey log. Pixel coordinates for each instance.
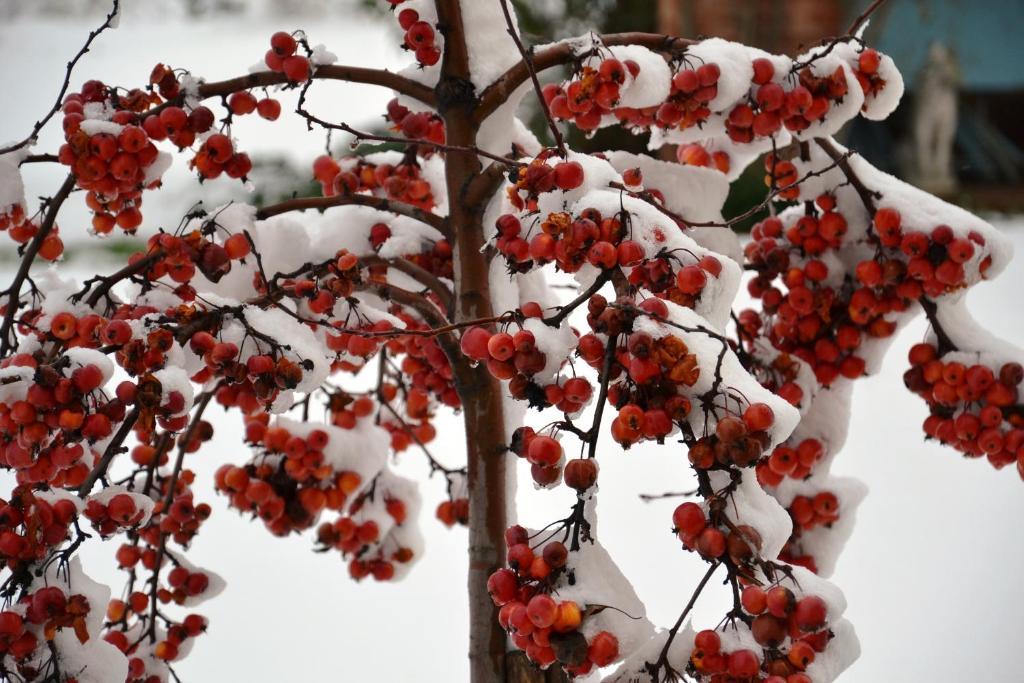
(646, 378)
(422, 125)
(794, 461)
(436, 261)
(544, 453)
(289, 483)
(112, 163)
(669, 277)
(403, 182)
(591, 94)
(820, 324)
(797, 108)
(696, 154)
(539, 177)
(935, 262)
(41, 433)
(427, 369)
(52, 246)
(973, 407)
(281, 58)
(217, 155)
(120, 511)
(866, 71)
(181, 520)
(822, 509)
(738, 441)
(420, 36)
(360, 538)
(253, 383)
(569, 242)
(36, 619)
(454, 511)
(691, 91)
(792, 631)
(13, 216)
(506, 355)
(741, 544)
(31, 526)
(546, 629)
(243, 102)
(180, 256)
(167, 648)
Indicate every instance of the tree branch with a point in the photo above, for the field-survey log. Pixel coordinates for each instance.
(334, 72)
(14, 291)
(380, 203)
(67, 80)
(421, 275)
(560, 54)
(528, 61)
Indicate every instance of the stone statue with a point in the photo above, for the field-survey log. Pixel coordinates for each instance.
(934, 122)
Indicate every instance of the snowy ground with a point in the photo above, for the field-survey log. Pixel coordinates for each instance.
(930, 572)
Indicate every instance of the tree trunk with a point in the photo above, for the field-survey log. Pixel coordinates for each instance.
(479, 391)
(485, 434)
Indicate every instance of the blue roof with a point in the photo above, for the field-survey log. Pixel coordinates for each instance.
(984, 34)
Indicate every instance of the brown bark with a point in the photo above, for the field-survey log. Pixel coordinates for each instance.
(479, 391)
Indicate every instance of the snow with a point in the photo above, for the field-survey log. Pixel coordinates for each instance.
(97, 126)
(734, 61)
(492, 51)
(651, 85)
(12, 188)
(144, 503)
(175, 379)
(94, 661)
(321, 55)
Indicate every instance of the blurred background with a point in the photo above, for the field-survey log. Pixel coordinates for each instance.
(930, 572)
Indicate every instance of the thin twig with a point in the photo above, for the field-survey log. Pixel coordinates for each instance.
(14, 291)
(67, 80)
(528, 61)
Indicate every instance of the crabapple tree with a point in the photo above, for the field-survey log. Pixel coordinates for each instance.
(337, 326)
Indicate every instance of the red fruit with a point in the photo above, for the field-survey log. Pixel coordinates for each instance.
(268, 108)
(544, 451)
(87, 378)
(689, 519)
(283, 44)
(754, 600)
(758, 417)
(501, 346)
(296, 68)
(580, 474)
(240, 103)
(743, 664)
(604, 649)
(763, 70)
(121, 508)
(420, 34)
(780, 601)
(869, 61)
(711, 543)
(542, 611)
(502, 586)
(811, 613)
(568, 175)
(708, 642)
(520, 556)
(237, 246)
(691, 279)
(474, 343)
